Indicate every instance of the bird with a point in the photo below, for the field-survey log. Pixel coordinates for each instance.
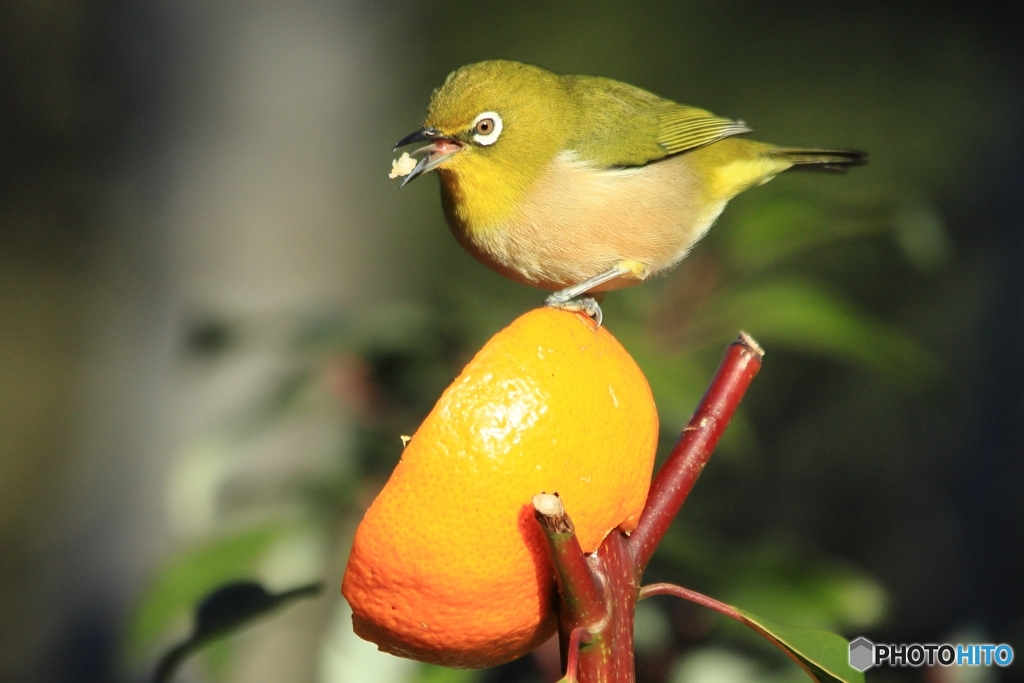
(581, 185)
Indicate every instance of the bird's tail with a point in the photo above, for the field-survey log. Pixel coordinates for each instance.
(833, 160)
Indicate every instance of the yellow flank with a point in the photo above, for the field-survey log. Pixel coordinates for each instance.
(635, 268)
(733, 165)
(728, 181)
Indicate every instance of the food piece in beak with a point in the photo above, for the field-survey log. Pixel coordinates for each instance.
(437, 152)
(402, 166)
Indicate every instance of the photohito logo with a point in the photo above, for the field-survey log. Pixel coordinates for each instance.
(864, 654)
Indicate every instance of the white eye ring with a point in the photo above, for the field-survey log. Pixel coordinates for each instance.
(492, 137)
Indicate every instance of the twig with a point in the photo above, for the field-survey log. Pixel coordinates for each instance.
(577, 585)
(676, 478)
(576, 638)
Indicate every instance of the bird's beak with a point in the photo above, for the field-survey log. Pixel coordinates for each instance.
(437, 152)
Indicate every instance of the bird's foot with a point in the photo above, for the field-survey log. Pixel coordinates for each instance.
(584, 304)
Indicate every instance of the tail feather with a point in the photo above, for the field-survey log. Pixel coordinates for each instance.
(832, 160)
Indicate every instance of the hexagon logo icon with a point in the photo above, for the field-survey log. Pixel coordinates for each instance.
(862, 654)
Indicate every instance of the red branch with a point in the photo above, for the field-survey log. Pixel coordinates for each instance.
(577, 586)
(684, 464)
(576, 638)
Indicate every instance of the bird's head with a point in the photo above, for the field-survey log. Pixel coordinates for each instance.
(494, 122)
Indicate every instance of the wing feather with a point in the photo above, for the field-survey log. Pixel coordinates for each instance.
(621, 125)
(682, 128)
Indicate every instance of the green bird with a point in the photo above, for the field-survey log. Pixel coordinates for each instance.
(582, 184)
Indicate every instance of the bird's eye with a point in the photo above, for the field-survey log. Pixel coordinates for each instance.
(486, 128)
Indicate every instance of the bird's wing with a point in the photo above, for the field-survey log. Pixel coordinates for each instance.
(681, 128)
(621, 125)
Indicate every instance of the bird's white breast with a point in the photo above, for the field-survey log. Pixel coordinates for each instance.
(578, 220)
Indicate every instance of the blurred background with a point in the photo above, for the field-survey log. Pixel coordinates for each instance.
(217, 316)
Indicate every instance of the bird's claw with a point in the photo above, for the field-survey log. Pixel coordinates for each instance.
(585, 304)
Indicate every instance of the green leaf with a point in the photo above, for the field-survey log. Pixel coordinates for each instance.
(820, 594)
(806, 317)
(825, 655)
(778, 576)
(429, 673)
(765, 232)
(226, 609)
(182, 583)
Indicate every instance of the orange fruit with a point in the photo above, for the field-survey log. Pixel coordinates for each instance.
(449, 566)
